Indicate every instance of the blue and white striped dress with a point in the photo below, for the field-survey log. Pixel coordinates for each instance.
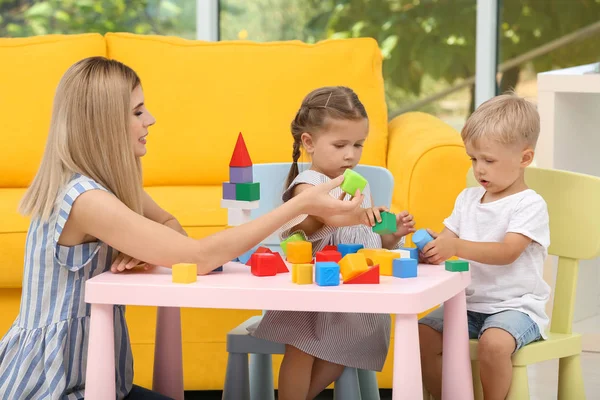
(43, 355)
(351, 339)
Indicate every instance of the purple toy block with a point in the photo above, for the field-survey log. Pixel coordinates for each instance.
(240, 174)
(228, 191)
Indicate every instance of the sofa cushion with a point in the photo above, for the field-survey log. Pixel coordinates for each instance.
(29, 73)
(203, 94)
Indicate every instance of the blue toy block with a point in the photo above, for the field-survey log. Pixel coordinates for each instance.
(420, 238)
(327, 273)
(219, 269)
(349, 248)
(240, 174)
(246, 256)
(414, 252)
(405, 268)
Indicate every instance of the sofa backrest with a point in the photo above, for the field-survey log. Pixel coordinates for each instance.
(30, 69)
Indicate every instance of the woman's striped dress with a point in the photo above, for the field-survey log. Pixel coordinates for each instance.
(351, 339)
(43, 355)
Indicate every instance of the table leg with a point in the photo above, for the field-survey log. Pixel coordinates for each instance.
(168, 362)
(100, 370)
(457, 381)
(407, 383)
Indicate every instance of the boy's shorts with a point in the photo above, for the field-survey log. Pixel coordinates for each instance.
(517, 323)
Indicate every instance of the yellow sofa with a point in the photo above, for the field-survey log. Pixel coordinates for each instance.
(202, 94)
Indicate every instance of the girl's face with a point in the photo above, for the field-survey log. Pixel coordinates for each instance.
(139, 121)
(336, 147)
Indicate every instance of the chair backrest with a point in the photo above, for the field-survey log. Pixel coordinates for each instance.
(574, 207)
(272, 185)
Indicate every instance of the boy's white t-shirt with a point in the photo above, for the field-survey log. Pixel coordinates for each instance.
(518, 286)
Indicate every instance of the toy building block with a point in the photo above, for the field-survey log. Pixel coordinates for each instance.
(369, 276)
(385, 261)
(240, 156)
(349, 248)
(406, 253)
(405, 268)
(299, 252)
(353, 181)
(420, 238)
(457, 265)
(218, 269)
(327, 273)
(184, 273)
(413, 252)
(229, 191)
(370, 254)
(238, 204)
(236, 216)
(281, 267)
(328, 255)
(247, 191)
(387, 224)
(258, 250)
(353, 265)
(296, 237)
(240, 174)
(263, 264)
(330, 247)
(302, 274)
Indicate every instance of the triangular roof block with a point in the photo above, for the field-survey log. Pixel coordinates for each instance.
(240, 157)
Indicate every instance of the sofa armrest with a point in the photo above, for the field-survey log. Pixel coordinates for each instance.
(429, 164)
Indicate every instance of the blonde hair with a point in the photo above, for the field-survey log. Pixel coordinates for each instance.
(506, 119)
(89, 135)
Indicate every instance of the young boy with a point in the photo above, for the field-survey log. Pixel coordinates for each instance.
(501, 228)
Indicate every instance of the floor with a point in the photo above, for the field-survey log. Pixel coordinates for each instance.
(543, 381)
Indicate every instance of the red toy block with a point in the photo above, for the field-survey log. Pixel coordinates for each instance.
(264, 264)
(260, 250)
(281, 267)
(330, 247)
(240, 156)
(370, 276)
(328, 255)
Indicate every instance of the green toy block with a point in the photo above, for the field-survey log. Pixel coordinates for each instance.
(387, 224)
(457, 265)
(352, 181)
(247, 191)
(296, 237)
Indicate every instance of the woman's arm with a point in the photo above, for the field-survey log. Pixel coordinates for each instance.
(157, 214)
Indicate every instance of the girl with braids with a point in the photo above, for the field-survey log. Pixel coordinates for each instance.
(332, 127)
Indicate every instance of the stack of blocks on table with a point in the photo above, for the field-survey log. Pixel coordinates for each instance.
(240, 194)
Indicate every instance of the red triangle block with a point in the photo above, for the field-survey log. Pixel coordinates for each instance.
(240, 156)
(369, 276)
(281, 267)
(260, 250)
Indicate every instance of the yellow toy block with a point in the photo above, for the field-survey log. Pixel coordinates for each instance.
(370, 255)
(184, 273)
(385, 260)
(302, 274)
(352, 265)
(299, 252)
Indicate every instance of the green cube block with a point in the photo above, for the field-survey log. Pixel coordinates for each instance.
(352, 181)
(457, 265)
(296, 237)
(387, 224)
(247, 191)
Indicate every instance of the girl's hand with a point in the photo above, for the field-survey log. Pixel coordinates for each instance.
(405, 224)
(318, 202)
(124, 262)
(439, 249)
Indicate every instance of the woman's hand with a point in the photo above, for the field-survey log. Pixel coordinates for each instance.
(123, 262)
(318, 201)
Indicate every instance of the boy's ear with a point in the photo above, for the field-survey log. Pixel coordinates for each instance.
(527, 157)
(307, 142)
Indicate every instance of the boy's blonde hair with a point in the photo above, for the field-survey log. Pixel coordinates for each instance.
(506, 119)
(89, 135)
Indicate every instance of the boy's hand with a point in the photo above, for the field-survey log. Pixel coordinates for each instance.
(405, 224)
(439, 249)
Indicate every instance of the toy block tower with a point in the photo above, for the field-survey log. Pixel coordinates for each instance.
(240, 194)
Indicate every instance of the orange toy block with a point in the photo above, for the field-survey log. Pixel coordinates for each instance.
(302, 274)
(352, 265)
(260, 250)
(281, 267)
(369, 276)
(264, 264)
(240, 156)
(184, 273)
(299, 252)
